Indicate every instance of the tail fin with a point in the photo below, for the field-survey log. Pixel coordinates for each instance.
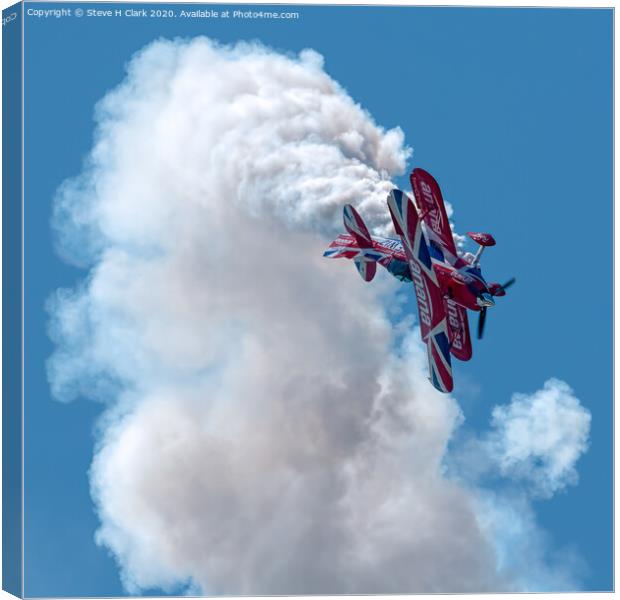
(356, 227)
(360, 248)
(366, 269)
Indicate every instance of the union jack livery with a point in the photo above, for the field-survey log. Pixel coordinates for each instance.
(446, 284)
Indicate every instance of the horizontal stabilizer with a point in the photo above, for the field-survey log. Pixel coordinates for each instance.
(342, 247)
(365, 259)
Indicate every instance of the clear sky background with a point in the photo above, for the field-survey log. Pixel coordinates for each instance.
(509, 109)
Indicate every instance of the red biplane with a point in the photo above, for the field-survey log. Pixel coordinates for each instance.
(446, 284)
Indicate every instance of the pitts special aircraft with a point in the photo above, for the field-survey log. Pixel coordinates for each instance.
(446, 284)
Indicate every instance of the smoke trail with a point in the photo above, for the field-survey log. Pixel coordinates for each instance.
(265, 432)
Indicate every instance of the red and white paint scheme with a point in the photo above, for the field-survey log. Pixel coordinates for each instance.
(446, 283)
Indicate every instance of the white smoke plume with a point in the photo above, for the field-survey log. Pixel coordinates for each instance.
(534, 441)
(538, 438)
(266, 433)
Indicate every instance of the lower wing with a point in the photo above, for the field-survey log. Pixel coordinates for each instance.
(433, 212)
(458, 330)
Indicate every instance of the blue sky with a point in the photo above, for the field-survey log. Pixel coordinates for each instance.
(509, 109)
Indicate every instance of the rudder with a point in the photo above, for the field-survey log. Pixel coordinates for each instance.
(366, 269)
(356, 227)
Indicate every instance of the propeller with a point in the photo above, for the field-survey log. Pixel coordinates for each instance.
(506, 285)
(481, 321)
(500, 291)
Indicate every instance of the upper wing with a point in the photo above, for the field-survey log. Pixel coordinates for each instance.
(407, 225)
(458, 330)
(433, 213)
(433, 320)
(439, 365)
